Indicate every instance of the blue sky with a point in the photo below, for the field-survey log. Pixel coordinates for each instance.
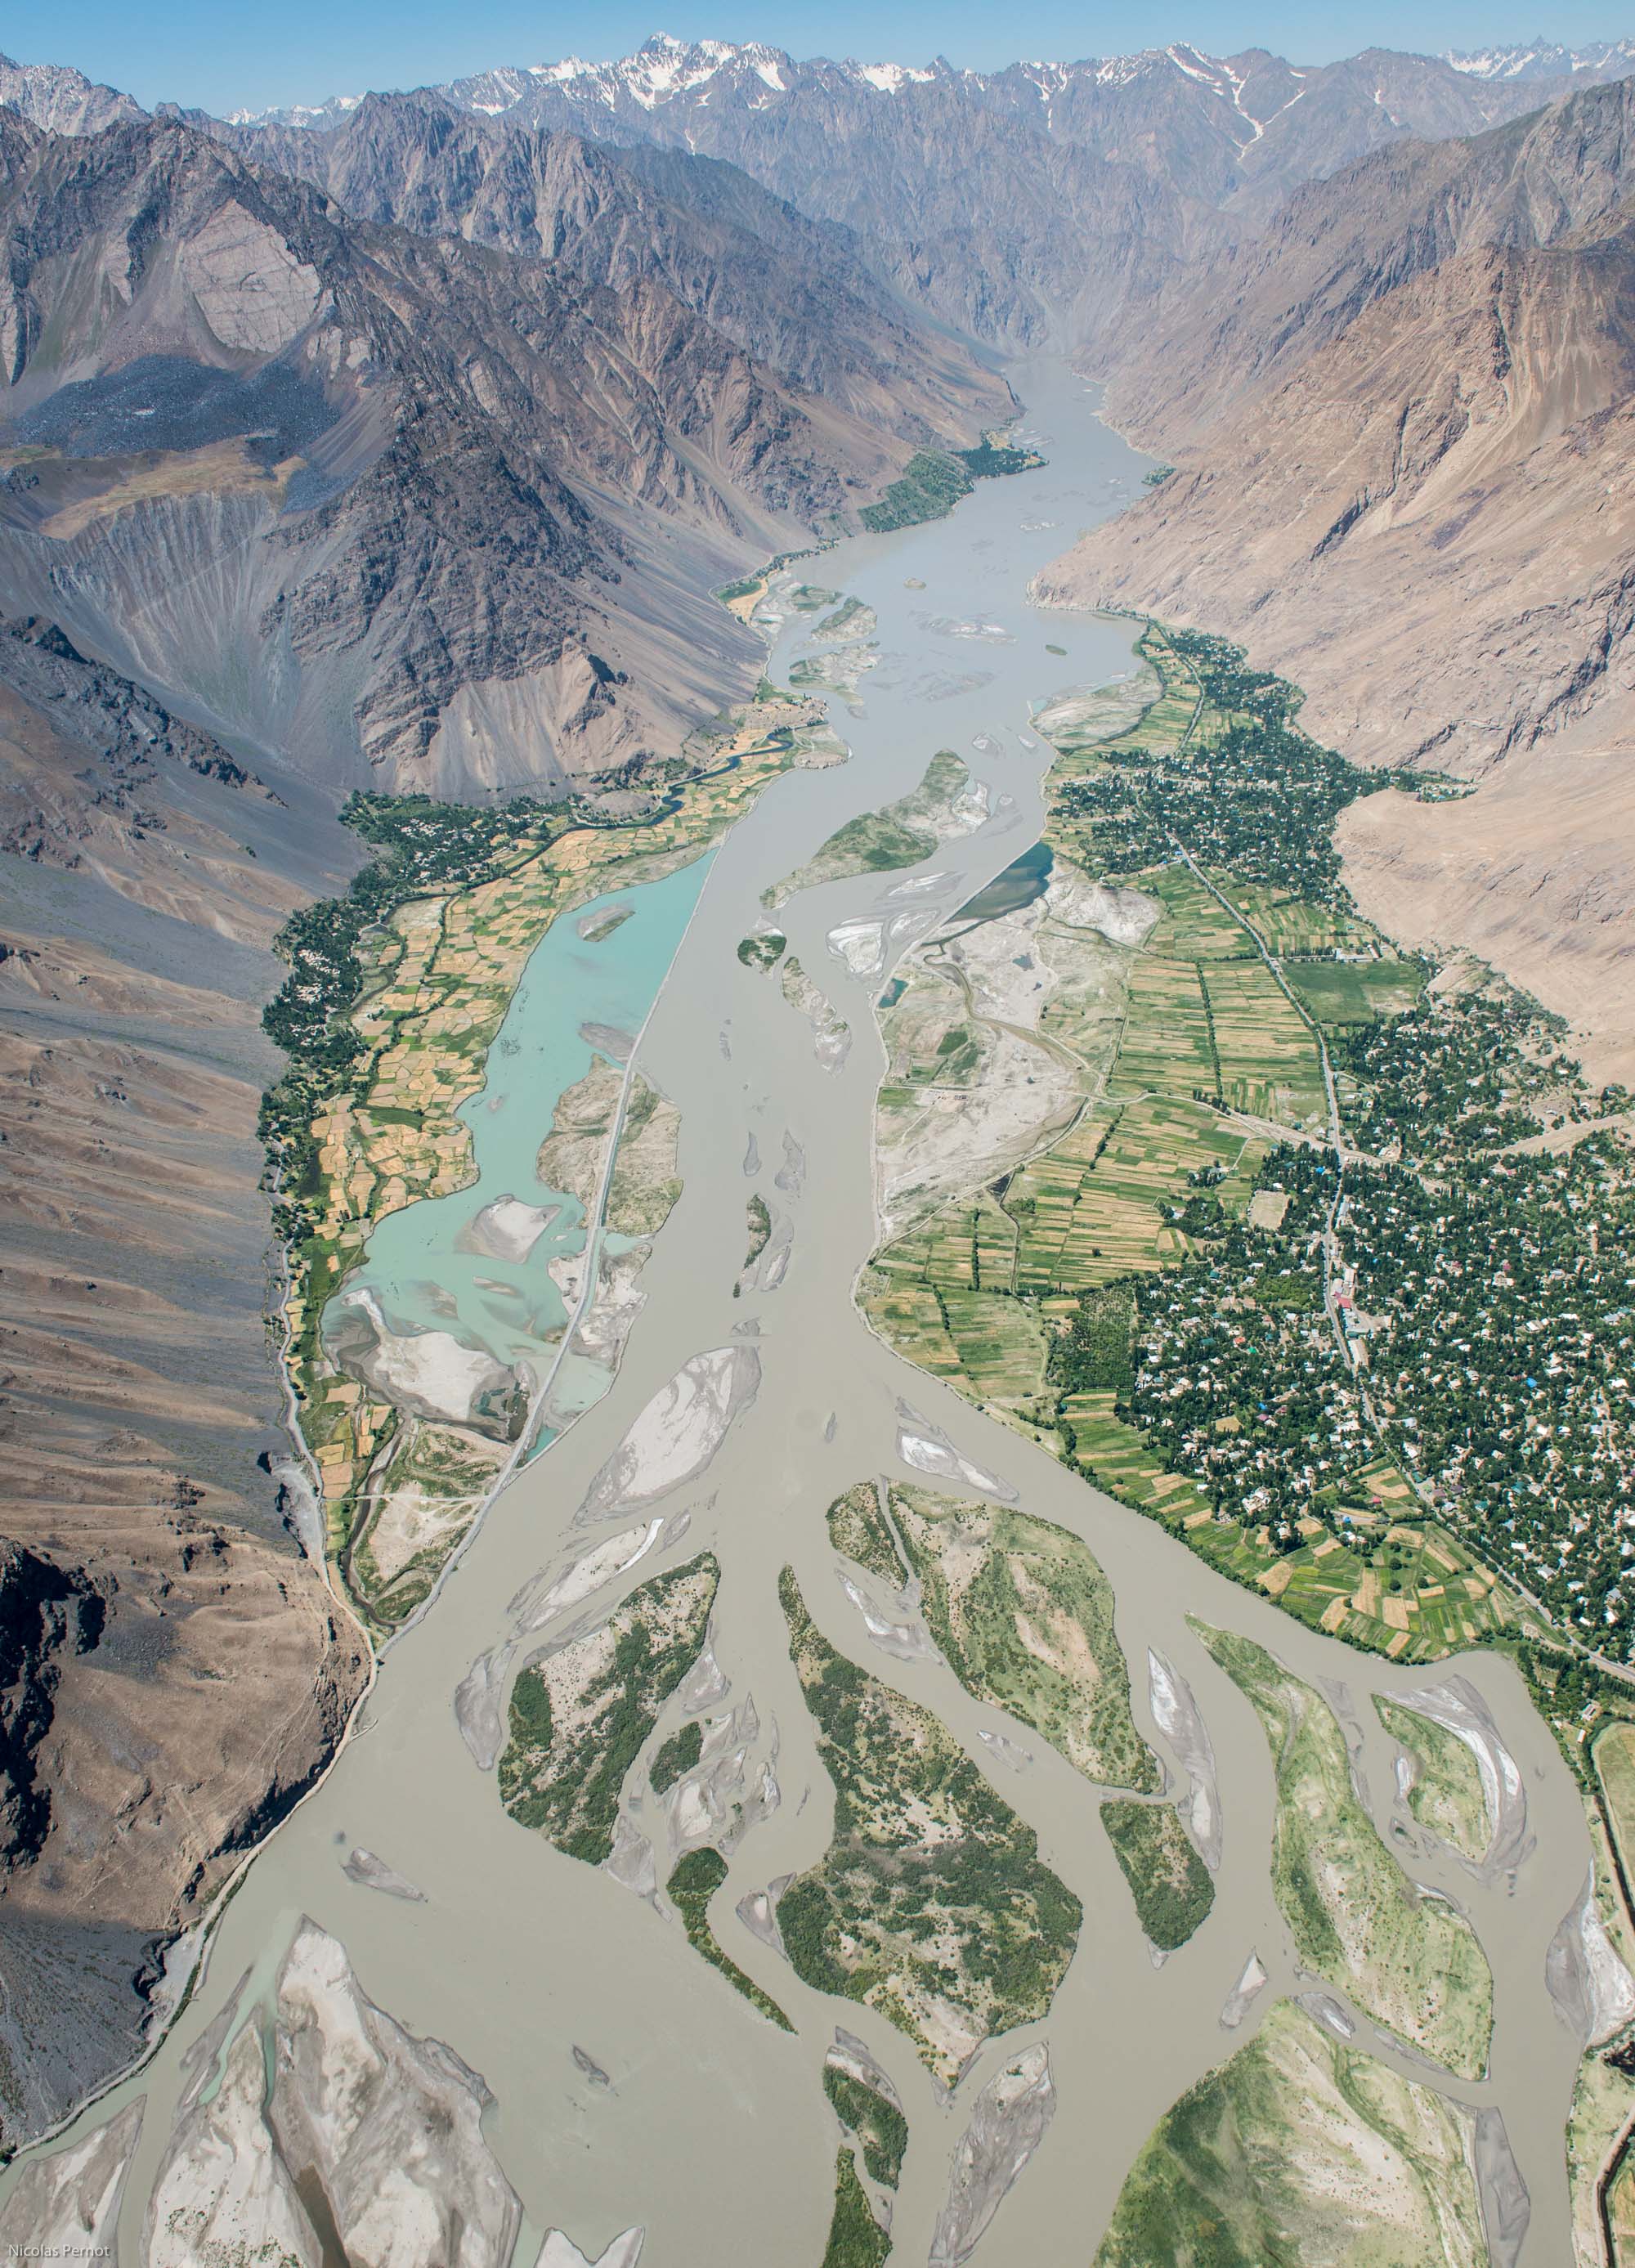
(219, 56)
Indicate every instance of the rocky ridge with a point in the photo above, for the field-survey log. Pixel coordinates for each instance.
(793, 292)
(460, 511)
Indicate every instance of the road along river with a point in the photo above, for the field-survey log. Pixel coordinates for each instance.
(684, 2112)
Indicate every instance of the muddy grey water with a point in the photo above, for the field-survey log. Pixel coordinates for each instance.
(714, 2134)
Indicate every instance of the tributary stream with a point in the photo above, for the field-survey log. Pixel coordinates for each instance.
(714, 2134)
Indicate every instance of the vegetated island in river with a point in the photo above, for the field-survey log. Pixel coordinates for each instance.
(395, 994)
(932, 483)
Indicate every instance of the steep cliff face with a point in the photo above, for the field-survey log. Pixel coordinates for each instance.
(791, 293)
(171, 1670)
(1403, 431)
(46, 1611)
(395, 470)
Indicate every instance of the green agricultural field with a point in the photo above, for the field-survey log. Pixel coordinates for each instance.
(1290, 926)
(908, 1314)
(1301, 2152)
(932, 1904)
(1099, 1203)
(1446, 1792)
(1000, 1344)
(581, 1716)
(1024, 1616)
(1412, 1962)
(1356, 991)
(1196, 926)
(1117, 1459)
(1167, 1048)
(1264, 1051)
(1168, 1881)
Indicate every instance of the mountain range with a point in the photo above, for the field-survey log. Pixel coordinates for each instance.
(1039, 204)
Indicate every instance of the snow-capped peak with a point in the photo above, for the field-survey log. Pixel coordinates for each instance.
(1542, 58)
(889, 79)
(298, 113)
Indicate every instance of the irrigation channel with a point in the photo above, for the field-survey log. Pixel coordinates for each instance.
(713, 2134)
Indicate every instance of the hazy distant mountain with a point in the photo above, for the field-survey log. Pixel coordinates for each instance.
(1542, 58)
(1044, 200)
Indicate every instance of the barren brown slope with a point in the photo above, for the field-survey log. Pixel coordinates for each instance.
(1427, 520)
(172, 1670)
(476, 503)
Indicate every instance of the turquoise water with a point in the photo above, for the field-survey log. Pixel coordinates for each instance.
(413, 1263)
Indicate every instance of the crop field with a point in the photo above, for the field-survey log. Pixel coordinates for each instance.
(1123, 1464)
(1000, 1344)
(908, 1315)
(1265, 1055)
(1095, 1206)
(1356, 991)
(1290, 924)
(1167, 1047)
(1196, 926)
(1412, 1593)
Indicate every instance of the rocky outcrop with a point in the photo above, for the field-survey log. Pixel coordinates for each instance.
(1403, 430)
(46, 1611)
(62, 99)
(1044, 202)
(1343, 246)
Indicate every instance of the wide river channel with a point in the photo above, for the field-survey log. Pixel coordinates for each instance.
(714, 2134)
